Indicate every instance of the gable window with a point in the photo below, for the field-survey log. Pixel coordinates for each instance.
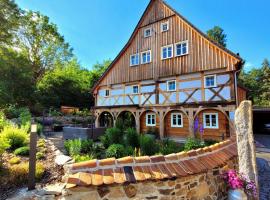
(107, 93)
(210, 81)
(135, 89)
(181, 48)
(176, 120)
(146, 57)
(210, 120)
(151, 119)
(164, 26)
(147, 32)
(167, 52)
(171, 85)
(134, 59)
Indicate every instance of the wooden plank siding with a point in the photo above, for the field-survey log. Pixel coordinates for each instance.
(203, 55)
(242, 94)
(143, 126)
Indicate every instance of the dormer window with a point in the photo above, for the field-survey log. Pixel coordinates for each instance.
(147, 32)
(164, 26)
(107, 93)
(181, 48)
(171, 85)
(146, 57)
(134, 59)
(210, 81)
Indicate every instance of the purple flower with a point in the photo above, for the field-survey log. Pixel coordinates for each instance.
(201, 129)
(196, 124)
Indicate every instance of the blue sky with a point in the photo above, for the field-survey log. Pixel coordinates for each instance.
(98, 30)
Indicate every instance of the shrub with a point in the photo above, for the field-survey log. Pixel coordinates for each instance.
(73, 147)
(41, 143)
(4, 144)
(81, 158)
(168, 146)
(192, 143)
(148, 145)
(22, 151)
(14, 160)
(15, 136)
(209, 142)
(87, 146)
(18, 174)
(152, 131)
(132, 138)
(42, 149)
(25, 117)
(115, 150)
(113, 136)
(40, 155)
(3, 121)
(39, 128)
(104, 139)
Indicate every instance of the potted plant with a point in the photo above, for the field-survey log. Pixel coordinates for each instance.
(240, 187)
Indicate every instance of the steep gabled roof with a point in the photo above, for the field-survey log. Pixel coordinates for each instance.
(137, 28)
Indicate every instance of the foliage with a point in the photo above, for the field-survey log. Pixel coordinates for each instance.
(18, 174)
(16, 137)
(209, 142)
(217, 34)
(81, 158)
(112, 136)
(152, 131)
(3, 121)
(41, 143)
(192, 143)
(25, 116)
(98, 70)
(236, 180)
(14, 160)
(40, 155)
(132, 138)
(4, 144)
(115, 150)
(73, 147)
(168, 146)
(148, 145)
(22, 151)
(86, 146)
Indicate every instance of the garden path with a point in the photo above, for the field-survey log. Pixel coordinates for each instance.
(57, 139)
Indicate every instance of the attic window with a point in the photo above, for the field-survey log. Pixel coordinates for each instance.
(147, 32)
(164, 26)
(107, 93)
(134, 59)
(181, 48)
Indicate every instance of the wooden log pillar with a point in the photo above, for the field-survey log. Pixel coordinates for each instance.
(161, 125)
(191, 123)
(137, 121)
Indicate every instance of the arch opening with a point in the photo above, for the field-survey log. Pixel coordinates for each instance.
(106, 119)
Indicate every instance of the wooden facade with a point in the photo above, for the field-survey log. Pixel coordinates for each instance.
(139, 87)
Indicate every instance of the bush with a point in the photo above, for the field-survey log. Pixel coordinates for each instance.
(18, 174)
(132, 138)
(41, 143)
(40, 155)
(22, 151)
(16, 137)
(209, 142)
(25, 117)
(152, 131)
(4, 144)
(3, 121)
(168, 146)
(39, 129)
(115, 150)
(192, 143)
(14, 160)
(81, 158)
(112, 136)
(87, 146)
(148, 145)
(73, 147)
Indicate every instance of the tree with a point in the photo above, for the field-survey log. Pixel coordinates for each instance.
(98, 70)
(9, 17)
(65, 85)
(16, 83)
(265, 94)
(217, 34)
(41, 42)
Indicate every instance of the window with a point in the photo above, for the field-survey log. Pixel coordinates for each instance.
(176, 120)
(210, 120)
(107, 93)
(151, 119)
(135, 89)
(164, 26)
(146, 57)
(134, 59)
(171, 85)
(167, 52)
(210, 81)
(147, 32)
(181, 48)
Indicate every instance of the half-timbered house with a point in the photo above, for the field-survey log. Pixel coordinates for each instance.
(167, 75)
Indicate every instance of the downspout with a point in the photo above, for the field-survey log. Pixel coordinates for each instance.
(236, 87)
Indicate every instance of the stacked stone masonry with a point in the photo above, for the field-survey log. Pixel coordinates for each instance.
(186, 175)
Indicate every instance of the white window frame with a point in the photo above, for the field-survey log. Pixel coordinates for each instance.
(108, 92)
(146, 53)
(150, 115)
(145, 30)
(215, 81)
(168, 89)
(138, 89)
(175, 48)
(162, 58)
(177, 115)
(130, 59)
(161, 26)
(210, 118)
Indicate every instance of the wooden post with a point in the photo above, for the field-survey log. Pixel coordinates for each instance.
(32, 157)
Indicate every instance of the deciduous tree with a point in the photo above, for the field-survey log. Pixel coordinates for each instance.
(217, 34)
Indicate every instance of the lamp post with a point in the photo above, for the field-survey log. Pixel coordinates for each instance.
(32, 157)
